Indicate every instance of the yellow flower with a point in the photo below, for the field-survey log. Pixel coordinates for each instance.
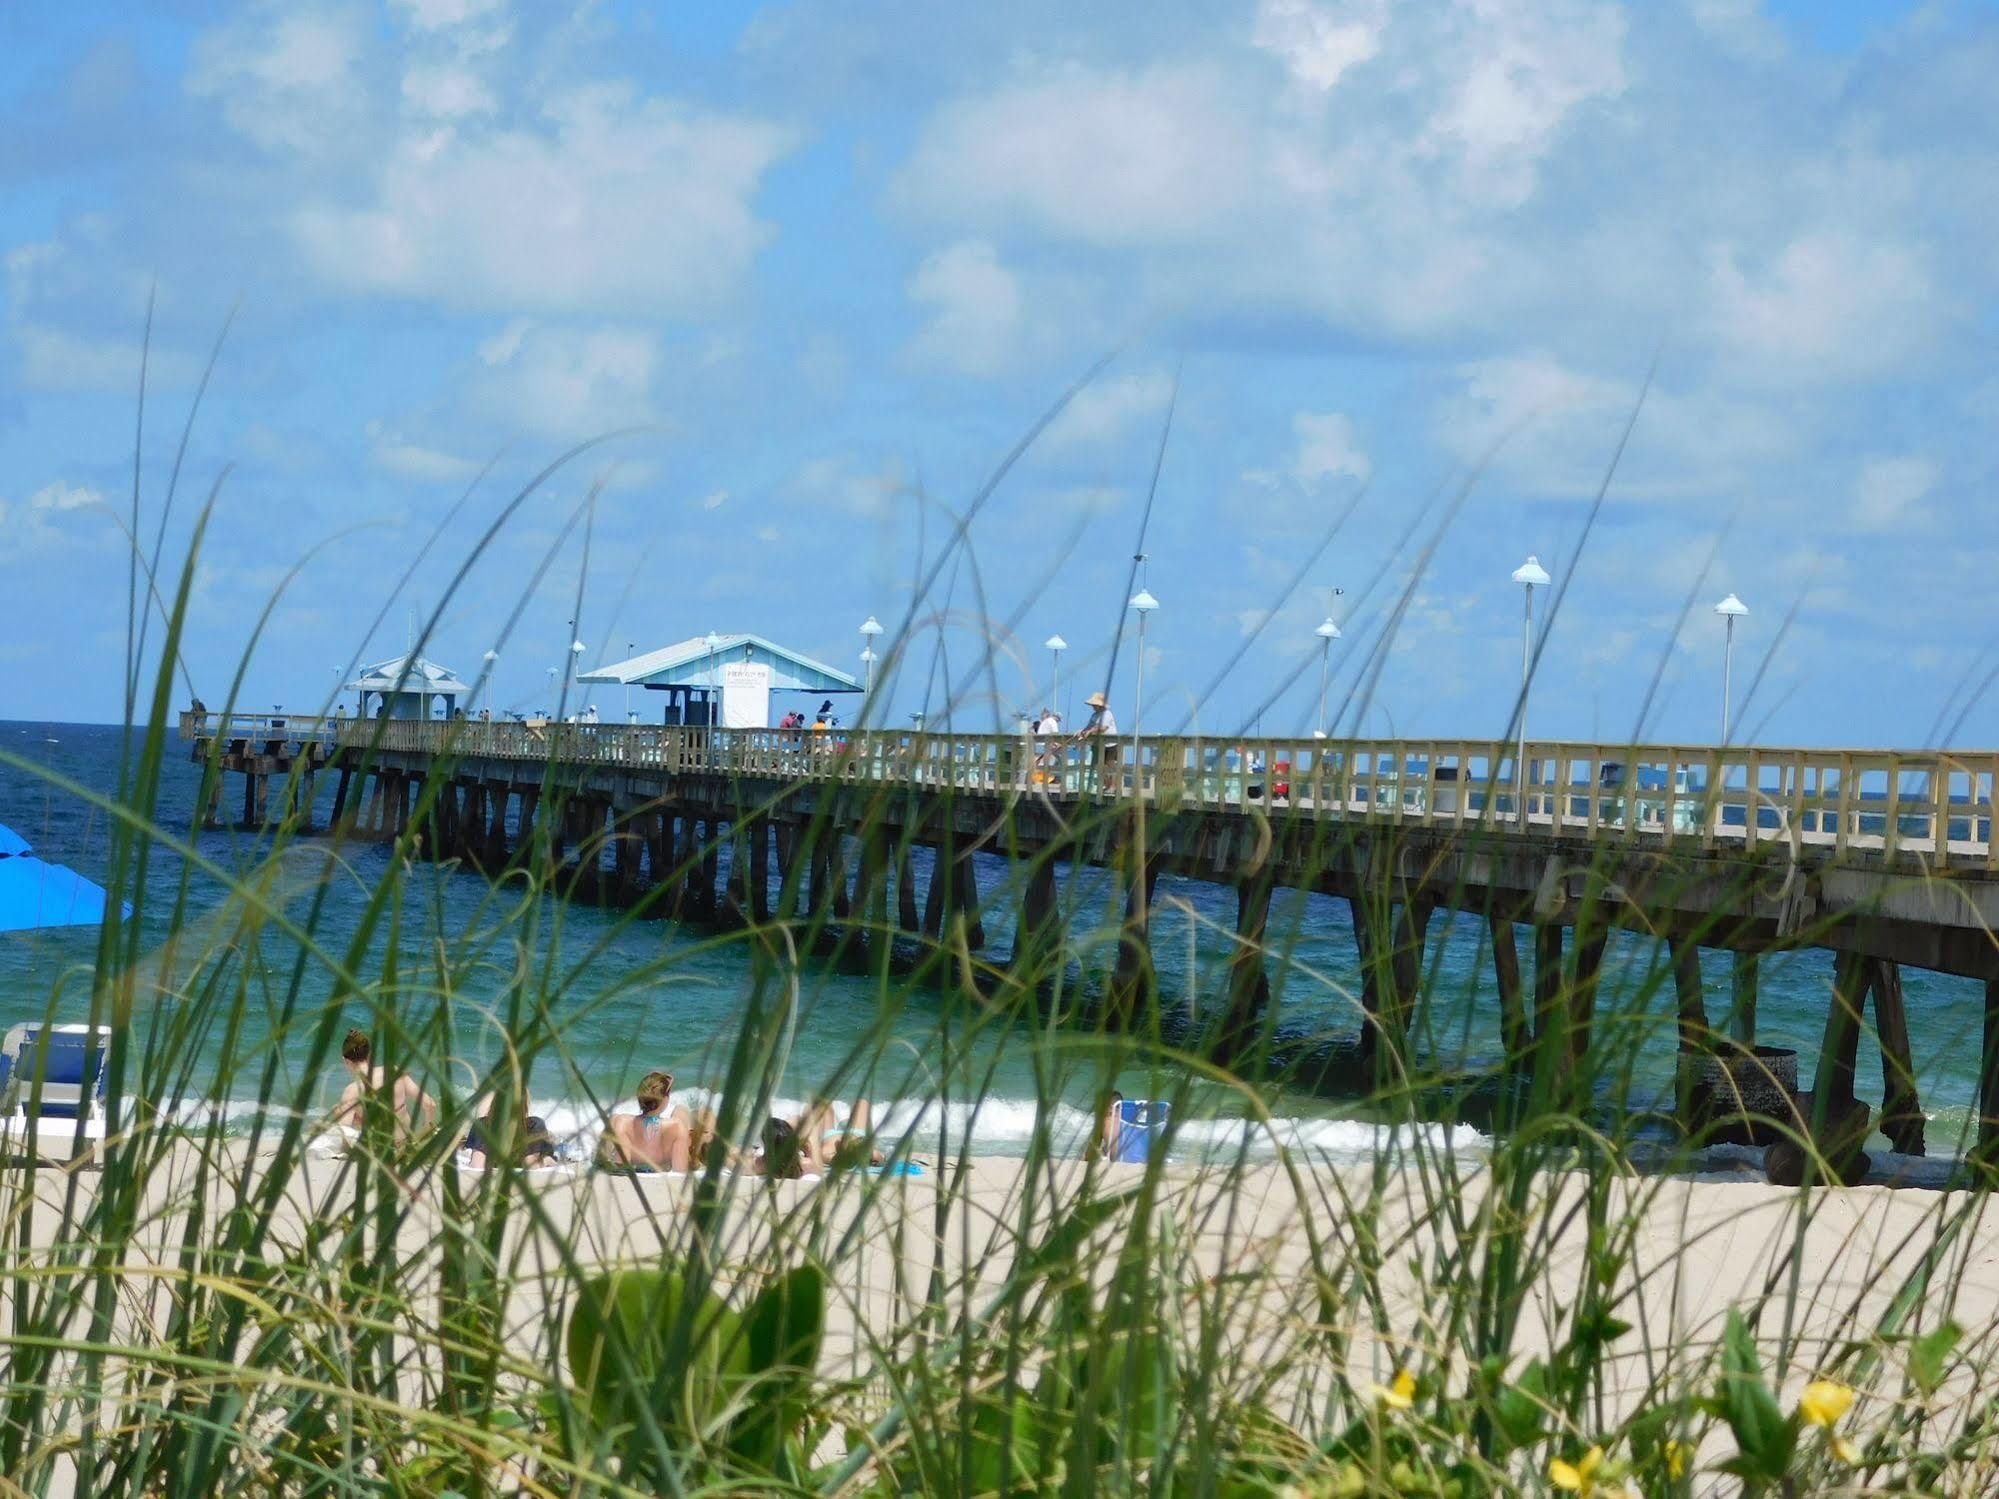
(1399, 1393)
(1676, 1457)
(1576, 1477)
(1844, 1450)
(1824, 1402)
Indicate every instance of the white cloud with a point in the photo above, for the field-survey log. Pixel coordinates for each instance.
(1887, 491)
(442, 15)
(608, 202)
(55, 359)
(1319, 43)
(1528, 69)
(1107, 157)
(973, 306)
(1840, 303)
(1327, 449)
(768, 534)
(445, 91)
(395, 454)
(842, 482)
(1552, 427)
(715, 499)
(567, 382)
(64, 496)
(285, 76)
(1385, 171)
(49, 518)
(1106, 410)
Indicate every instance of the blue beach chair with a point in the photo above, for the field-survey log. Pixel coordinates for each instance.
(1140, 1121)
(68, 1059)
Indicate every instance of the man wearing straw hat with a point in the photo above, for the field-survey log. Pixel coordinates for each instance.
(1102, 727)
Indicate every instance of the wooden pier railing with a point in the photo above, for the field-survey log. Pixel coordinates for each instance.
(1932, 805)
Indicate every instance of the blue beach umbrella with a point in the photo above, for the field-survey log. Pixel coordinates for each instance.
(34, 893)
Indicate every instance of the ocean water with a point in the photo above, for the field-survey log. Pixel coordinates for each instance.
(643, 994)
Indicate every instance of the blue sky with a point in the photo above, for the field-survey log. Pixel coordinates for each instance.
(832, 261)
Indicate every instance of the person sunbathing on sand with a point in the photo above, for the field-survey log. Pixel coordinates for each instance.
(647, 1141)
(530, 1143)
(782, 1156)
(830, 1147)
(376, 1098)
(701, 1126)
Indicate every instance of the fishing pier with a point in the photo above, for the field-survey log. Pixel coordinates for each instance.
(1884, 858)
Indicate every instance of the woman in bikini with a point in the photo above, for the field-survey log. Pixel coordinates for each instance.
(649, 1140)
(830, 1147)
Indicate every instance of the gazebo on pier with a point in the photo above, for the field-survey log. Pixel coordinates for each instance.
(408, 686)
(722, 680)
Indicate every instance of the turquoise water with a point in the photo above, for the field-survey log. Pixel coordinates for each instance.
(646, 994)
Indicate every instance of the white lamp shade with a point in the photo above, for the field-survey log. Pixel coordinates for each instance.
(1057, 643)
(713, 641)
(871, 627)
(1328, 630)
(492, 655)
(576, 646)
(1731, 607)
(1532, 573)
(867, 653)
(1144, 602)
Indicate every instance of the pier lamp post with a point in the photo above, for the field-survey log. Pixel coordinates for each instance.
(553, 673)
(630, 646)
(575, 657)
(1327, 632)
(1532, 575)
(1144, 603)
(1730, 609)
(871, 629)
(492, 665)
(1056, 646)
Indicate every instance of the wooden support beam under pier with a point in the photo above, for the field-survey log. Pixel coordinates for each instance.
(1988, 1080)
(1242, 1023)
(1590, 940)
(1839, 1051)
(965, 900)
(1690, 994)
(907, 915)
(1133, 983)
(1742, 1002)
(335, 823)
(1036, 932)
(1515, 1035)
(1901, 1110)
(1376, 980)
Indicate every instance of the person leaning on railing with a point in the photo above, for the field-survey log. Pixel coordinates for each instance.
(1102, 727)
